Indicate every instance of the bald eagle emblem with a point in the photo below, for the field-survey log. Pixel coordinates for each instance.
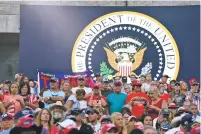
(125, 55)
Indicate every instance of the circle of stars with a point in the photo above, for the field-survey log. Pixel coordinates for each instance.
(130, 28)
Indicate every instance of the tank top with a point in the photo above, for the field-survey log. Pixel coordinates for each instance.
(154, 113)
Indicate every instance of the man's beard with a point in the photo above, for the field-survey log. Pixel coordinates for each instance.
(57, 115)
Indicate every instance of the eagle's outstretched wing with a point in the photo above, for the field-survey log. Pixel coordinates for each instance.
(138, 58)
(111, 58)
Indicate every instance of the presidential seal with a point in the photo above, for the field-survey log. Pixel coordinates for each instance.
(126, 42)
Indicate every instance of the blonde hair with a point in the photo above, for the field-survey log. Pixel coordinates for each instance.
(155, 89)
(38, 118)
(62, 84)
(114, 115)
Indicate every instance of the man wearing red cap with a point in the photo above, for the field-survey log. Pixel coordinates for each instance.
(109, 129)
(138, 100)
(96, 99)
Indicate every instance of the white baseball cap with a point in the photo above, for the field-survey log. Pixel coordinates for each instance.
(66, 123)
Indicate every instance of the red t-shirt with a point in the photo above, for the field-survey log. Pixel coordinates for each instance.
(54, 130)
(152, 112)
(165, 97)
(138, 103)
(96, 100)
(3, 96)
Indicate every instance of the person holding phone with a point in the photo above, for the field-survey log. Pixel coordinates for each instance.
(30, 100)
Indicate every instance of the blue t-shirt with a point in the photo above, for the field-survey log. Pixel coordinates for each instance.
(50, 93)
(116, 102)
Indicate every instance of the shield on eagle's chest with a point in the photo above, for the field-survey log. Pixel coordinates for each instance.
(125, 68)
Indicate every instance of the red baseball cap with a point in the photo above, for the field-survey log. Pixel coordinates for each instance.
(117, 83)
(136, 83)
(108, 127)
(96, 86)
(172, 105)
(195, 130)
(26, 122)
(192, 80)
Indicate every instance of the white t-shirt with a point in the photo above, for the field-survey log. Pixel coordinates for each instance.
(86, 89)
(76, 103)
(83, 104)
(146, 86)
(172, 131)
(96, 128)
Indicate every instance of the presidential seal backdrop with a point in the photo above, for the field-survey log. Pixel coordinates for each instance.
(124, 43)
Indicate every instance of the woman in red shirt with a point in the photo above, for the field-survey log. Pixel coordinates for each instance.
(156, 103)
(13, 102)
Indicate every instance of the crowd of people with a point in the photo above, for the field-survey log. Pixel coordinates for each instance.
(121, 105)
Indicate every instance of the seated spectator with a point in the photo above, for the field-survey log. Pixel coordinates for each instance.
(163, 116)
(30, 100)
(137, 100)
(150, 130)
(133, 77)
(80, 125)
(177, 96)
(164, 127)
(24, 79)
(57, 110)
(45, 118)
(125, 117)
(184, 88)
(156, 103)
(142, 79)
(109, 129)
(80, 81)
(113, 104)
(7, 121)
(66, 88)
(13, 102)
(4, 91)
(195, 112)
(74, 100)
(163, 93)
(105, 120)
(194, 94)
(26, 125)
(117, 120)
(96, 99)
(146, 85)
(185, 125)
(173, 108)
(93, 119)
(54, 94)
(33, 87)
(147, 120)
(128, 89)
(67, 126)
(106, 89)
